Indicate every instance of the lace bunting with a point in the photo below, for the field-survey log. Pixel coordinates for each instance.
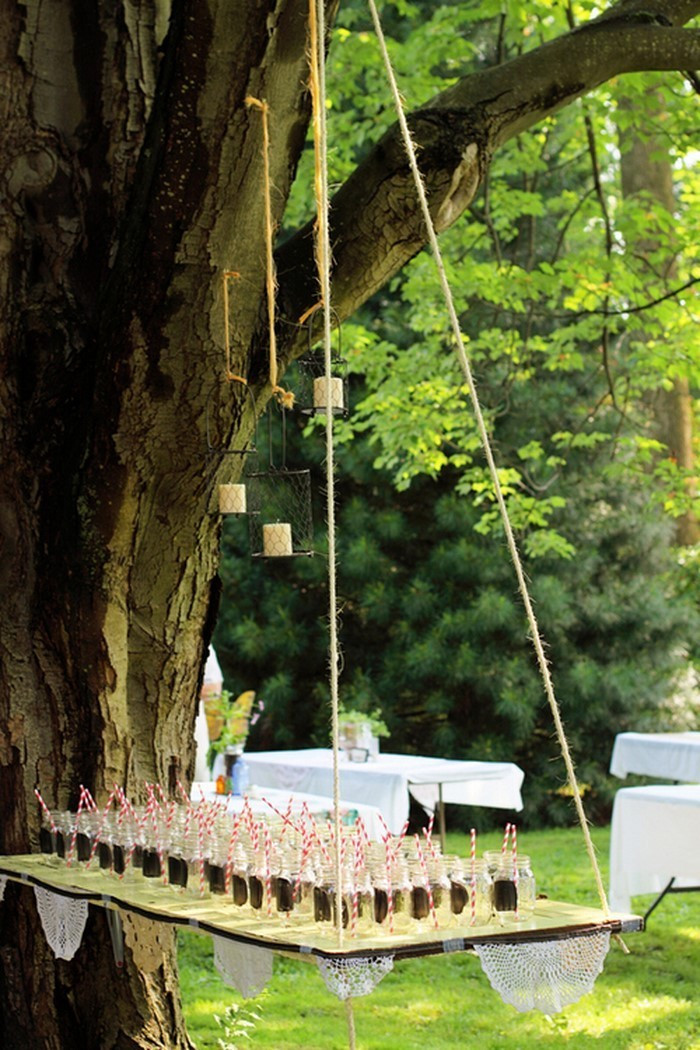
(350, 978)
(63, 919)
(242, 966)
(544, 975)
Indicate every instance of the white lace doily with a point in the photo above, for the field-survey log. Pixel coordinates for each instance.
(544, 975)
(349, 978)
(3, 884)
(147, 940)
(63, 919)
(245, 967)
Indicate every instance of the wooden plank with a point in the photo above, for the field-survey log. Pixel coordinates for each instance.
(216, 914)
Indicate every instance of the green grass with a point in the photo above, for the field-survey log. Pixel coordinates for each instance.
(648, 1000)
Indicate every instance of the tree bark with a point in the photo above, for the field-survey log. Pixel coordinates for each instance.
(646, 169)
(131, 178)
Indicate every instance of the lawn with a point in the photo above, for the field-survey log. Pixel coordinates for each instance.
(648, 1000)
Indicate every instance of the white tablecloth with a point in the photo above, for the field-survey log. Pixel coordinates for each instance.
(318, 805)
(654, 837)
(385, 783)
(671, 756)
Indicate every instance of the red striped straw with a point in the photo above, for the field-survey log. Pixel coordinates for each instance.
(71, 851)
(424, 869)
(287, 818)
(472, 836)
(160, 791)
(46, 810)
(356, 888)
(514, 839)
(386, 837)
(306, 848)
(362, 828)
(89, 800)
(268, 870)
(428, 832)
(506, 835)
(200, 845)
(140, 824)
(399, 844)
(389, 891)
(314, 831)
(231, 847)
(185, 797)
(283, 816)
(100, 829)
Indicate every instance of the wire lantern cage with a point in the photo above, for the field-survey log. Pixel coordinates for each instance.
(232, 496)
(312, 394)
(280, 519)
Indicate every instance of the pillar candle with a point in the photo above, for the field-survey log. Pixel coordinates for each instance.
(232, 499)
(277, 540)
(320, 393)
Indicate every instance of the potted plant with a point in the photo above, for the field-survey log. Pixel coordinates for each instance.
(236, 717)
(359, 733)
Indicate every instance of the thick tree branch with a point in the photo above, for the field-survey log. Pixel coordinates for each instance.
(375, 223)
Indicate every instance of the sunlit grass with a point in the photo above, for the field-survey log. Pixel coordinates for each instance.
(649, 1000)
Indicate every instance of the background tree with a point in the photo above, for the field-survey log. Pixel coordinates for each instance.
(131, 178)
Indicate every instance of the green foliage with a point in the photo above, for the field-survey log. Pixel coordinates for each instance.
(433, 632)
(567, 304)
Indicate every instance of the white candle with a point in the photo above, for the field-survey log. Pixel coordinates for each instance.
(277, 540)
(232, 499)
(320, 393)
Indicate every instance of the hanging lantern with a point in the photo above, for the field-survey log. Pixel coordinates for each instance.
(279, 507)
(313, 384)
(232, 495)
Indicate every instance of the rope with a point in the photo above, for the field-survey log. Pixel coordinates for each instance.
(317, 82)
(483, 433)
(285, 397)
(351, 1023)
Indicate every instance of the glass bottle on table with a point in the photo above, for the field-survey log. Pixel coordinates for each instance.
(514, 889)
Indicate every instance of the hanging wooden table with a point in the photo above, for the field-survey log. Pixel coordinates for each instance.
(552, 920)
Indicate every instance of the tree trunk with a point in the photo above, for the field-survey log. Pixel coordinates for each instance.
(646, 169)
(132, 176)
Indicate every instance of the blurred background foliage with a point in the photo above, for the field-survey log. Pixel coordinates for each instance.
(578, 304)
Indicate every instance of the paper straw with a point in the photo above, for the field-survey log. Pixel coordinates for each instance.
(46, 810)
(472, 887)
(402, 836)
(268, 871)
(283, 816)
(389, 891)
(140, 824)
(387, 834)
(362, 827)
(185, 797)
(428, 832)
(200, 843)
(424, 868)
(506, 836)
(71, 851)
(514, 839)
(355, 889)
(98, 836)
(231, 845)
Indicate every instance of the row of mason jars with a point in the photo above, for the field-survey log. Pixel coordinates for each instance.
(287, 880)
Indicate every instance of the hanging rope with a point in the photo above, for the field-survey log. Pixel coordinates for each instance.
(322, 247)
(285, 397)
(493, 469)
